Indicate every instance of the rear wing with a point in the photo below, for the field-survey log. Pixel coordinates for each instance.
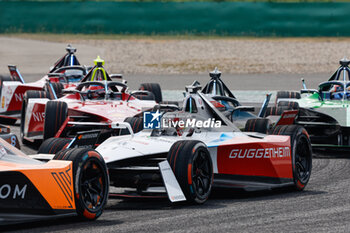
(15, 74)
(85, 139)
(288, 117)
(90, 138)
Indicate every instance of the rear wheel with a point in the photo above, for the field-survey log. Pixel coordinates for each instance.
(53, 145)
(91, 181)
(145, 96)
(31, 94)
(260, 125)
(193, 168)
(301, 153)
(136, 124)
(275, 111)
(287, 95)
(288, 104)
(57, 87)
(56, 113)
(153, 88)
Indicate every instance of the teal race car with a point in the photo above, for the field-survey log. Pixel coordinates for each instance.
(323, 112)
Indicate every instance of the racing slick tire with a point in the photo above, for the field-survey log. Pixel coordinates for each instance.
(191, 163)
(56, 113)
(53, 145)
(287, 95)
(145, 96)
(136, 124)
(301, 153)
(153, 88)
(275, 111)
(30, 94)
(259, 125)
(91, 181)
(289, 104)
(57, 87)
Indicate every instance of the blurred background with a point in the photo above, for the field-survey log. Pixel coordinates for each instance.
(249, 41)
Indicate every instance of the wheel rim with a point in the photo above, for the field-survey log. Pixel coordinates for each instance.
(201, 173)
(93, 185)
(302, 160)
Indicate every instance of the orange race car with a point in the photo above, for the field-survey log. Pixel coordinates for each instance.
(73, 183)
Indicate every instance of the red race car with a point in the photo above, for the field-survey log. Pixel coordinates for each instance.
(94, 104)
(66, 72)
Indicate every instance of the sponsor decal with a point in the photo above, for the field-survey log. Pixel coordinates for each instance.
(64, 181)
(19, 97)
(286, 116)
(88, 136)
(38, 116)
(154, 120)
(151, 120)
(3, 102)
(14, 192)
(266, 153)
(191, 123)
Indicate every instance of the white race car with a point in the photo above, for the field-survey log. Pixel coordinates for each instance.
(199, 147)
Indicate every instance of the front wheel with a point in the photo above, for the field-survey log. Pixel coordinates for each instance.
(193, 169)
(53, 145)
(136, 124)
(56, 112)
(91, 181)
